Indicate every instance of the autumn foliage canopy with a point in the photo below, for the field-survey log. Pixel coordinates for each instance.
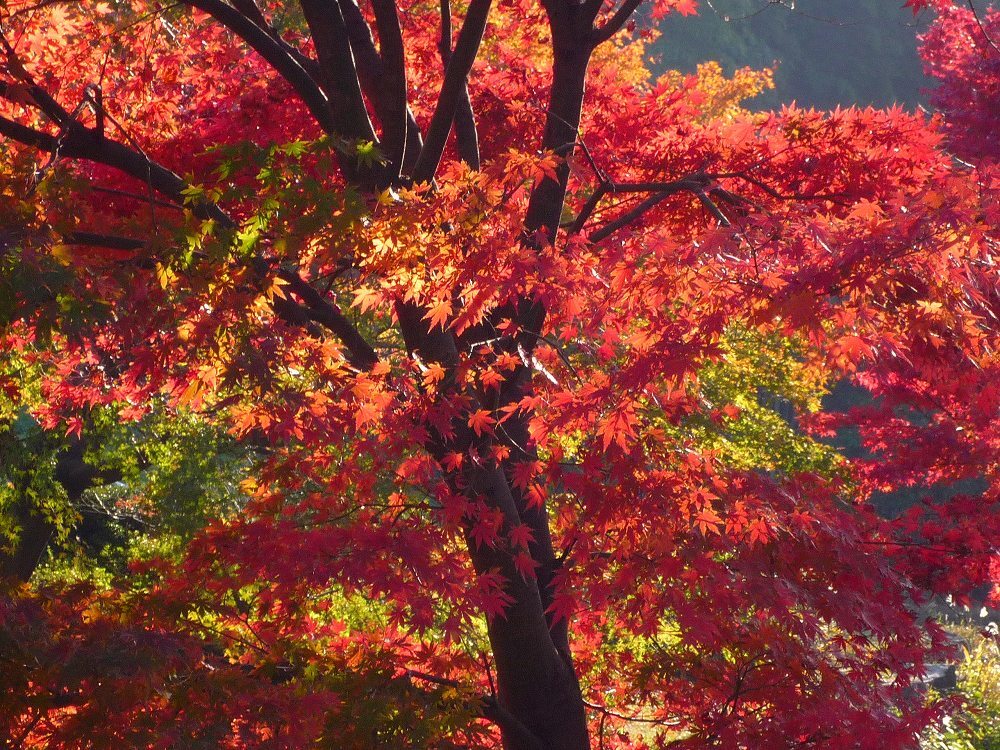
(397, 374)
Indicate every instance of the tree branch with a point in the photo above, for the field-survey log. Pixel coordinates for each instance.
(322, 311)
(393, 89)
(44, 101)
(695, 184)
(510, 725)
(80, 142)
(136, 197)
(614, 24)
(337, 68)
(491, 710)
(982, 28)
(28, 136)
(279, 57)
(370, 71)
(591, 8)
(76, 476)
(455, 80)
(633, 215)
(588, 208)
(466, 132)
(776, 193)
(252, 11)
(110, 241)
(444, 43)
(712, 208)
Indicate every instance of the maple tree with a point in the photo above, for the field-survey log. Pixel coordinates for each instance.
(522, 353)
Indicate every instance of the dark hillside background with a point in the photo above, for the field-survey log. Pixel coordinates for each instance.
(829, 52)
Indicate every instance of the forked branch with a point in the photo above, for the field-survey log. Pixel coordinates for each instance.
(338, 72)
(455, 82)
(371, 72)
(614, 24)
(466, 133)
(697, 184)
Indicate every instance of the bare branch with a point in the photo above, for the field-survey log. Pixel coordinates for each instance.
(562, 126)
(466, 132)
(614, 24)
(634, 215)
(432, 678)
(455, 81)
(394, 93)
(336, 102)
(588, 208)
(713, 209)
(444, 43)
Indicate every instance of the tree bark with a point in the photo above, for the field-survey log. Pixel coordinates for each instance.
(35, 531)
(536, 680)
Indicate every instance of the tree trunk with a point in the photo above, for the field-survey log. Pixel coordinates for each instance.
(34, 530)
(537, 683)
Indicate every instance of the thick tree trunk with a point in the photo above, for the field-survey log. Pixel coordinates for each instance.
(537, 685)
(562, 123)
(536, 679)
(34, 530)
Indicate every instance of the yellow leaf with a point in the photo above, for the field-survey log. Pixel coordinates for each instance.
(165, 276)
(62, 253)
(189, 396)
(275, 289)
(184, 330)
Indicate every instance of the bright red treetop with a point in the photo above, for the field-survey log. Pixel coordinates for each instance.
(530, 348)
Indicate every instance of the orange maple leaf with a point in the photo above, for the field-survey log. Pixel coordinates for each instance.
(480, 421)
(439, 313)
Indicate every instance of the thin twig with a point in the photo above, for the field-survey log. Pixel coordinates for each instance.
(982, 28)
